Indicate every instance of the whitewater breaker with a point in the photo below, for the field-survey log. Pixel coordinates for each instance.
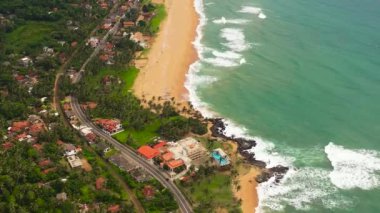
(253, 10)
(353, 168)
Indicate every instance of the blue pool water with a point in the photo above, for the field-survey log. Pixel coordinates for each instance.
(218, 158)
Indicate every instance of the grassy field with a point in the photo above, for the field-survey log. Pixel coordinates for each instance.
(140, 138)
(29, 35)
(215, 190)
(126, 75)
(129, 77)
(157, 19)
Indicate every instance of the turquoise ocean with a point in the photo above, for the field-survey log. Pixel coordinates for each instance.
(303, 79)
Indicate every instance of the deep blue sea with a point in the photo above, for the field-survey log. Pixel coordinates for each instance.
(303, 79)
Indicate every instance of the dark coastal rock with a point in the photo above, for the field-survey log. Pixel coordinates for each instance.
(258, 163)
(277, 172)
(217, 130)
(263, 177)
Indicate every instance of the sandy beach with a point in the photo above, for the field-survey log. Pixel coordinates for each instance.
(164, 74)
(247, 192)
(246, 180)
(170, 55)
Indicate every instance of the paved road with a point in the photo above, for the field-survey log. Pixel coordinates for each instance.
(161, 176)
(97, 49)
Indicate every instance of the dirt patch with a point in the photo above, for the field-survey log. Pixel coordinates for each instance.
(86, 166)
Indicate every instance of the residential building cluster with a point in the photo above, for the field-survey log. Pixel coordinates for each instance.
(175, 157)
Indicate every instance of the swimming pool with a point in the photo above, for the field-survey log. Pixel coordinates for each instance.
(219, 159)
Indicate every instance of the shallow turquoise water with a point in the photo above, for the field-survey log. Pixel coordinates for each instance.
(306, 75)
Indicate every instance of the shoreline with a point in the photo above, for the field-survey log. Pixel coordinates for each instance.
(164, 74)
(163, 78)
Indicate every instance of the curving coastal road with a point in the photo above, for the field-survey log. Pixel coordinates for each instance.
(161, 176)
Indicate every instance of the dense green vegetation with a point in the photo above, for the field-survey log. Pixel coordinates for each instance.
(162, 201)
(27, 185)
(45, 34)
(26, 37)
(210, 190)
(154, 25)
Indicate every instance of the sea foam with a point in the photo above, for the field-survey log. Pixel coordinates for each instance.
(353, 168)
(253, 10)
(192, 78)
(230, 21)
(235, 39)
(299, 187)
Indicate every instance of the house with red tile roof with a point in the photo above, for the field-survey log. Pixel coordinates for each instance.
(148, 152)
(91, 137)
(22, 137)
(128, 24)
(66, 106)
(38, 147)
(18, 126)
(44, 163)
(7, 145)
(99, 183)
(35, 129)
(89, 105)
(175, 164)
(148, 191)
(114, 208)
(110, 126)
(104, 58)
(47, 171)
(167, 156)
(160, 146)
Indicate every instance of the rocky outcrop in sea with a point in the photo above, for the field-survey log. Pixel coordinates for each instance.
(218, 130)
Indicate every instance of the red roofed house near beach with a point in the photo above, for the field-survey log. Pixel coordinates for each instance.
(167, 156)
(35, 129)
(19, 125)
(160, 146)
(110, 126)
(148, 152)
(114, 208)
(175, 164)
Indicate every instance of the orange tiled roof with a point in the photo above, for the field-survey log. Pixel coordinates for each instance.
(175, 163)
(167, 156)
(148, 152)
(99, 183)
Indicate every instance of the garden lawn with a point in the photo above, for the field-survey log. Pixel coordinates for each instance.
(157, 19)
(30, 35)
(214, 189)
(127, 75)
(141, 137)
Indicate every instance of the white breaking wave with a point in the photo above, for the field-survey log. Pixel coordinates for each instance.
(227, 54)
(230, 21)
(191, 77)
(300, 189)
(353, 168)
(235, 39)
(225, 59)
(253, 10)
(221, 62)
(262, 15)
